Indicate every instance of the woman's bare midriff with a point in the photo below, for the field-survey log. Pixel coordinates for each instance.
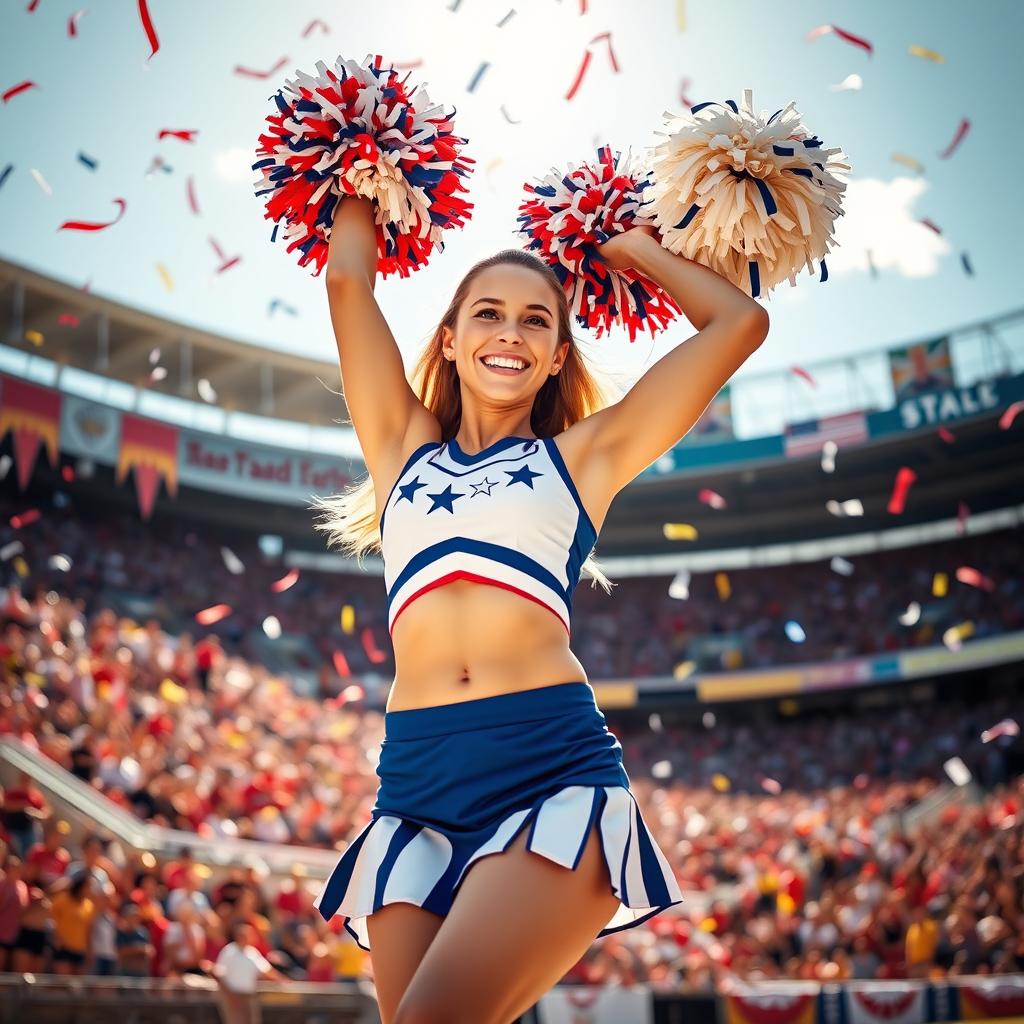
(465, 640)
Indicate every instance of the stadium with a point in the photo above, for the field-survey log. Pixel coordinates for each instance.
(812, 657)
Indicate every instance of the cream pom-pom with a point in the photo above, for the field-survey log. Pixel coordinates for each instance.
(754, 200)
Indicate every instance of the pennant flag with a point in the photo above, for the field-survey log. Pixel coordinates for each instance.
(151, 449)
(33, 413)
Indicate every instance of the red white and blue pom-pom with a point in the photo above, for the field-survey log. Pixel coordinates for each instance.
(356, 129)
(753, 199)
(568, 216)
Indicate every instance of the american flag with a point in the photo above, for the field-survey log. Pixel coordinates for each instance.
(808, 437)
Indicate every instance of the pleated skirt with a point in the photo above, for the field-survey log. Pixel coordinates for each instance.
(461, 781)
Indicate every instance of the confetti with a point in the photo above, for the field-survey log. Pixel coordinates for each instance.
(154, 356)
(931, 225)
(36, 337)
(850, 82)
(848, 37)
(679, 588)
(165, 277)
(288, 580)
(710, 497)
(373, 652)
(6, 171)
(315, 23)
(272, 627)
(908, 161)
(41, 181)
(805, 374)
(507, 116)
(720, 782)
(250, 73)
(89, 161)
(208, 616)
(190, 193)
(81, 225)
(962, 514)
(828, 456)
(206, 392)
(871, 264)
(347, 619)
(961, 131)
(661, 770)
(841, 566)
(923, 51)
(1007, 727)
(974, 578)
(147, 24)
(157, 163)
(341, 665)
(684, 85)
(947, 435)
(577, 81)
(185, 134)
(317, 149)
(157, 374)
(795, 631)
(852, 507)
(16, 89)
(32, 5)
(225, 262)
(723, 586)
(276, 304)
(940, 584)
(1009, 415)
(954, 637)
(73, 23)
(771, 786)
(957, 771)
(681, 15)
(904, 478)
(476, 77)
(507, 18)
(679, 531)
(232, 563)
(683, 670)
(26, 518)
(965, 262)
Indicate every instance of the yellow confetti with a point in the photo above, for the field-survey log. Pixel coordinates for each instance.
(940, 584)
(708, 924)
(681, 15)
(165, 276)
(923, 51)
(21, 567)
(35, 337)
(348, 619)
(722, 586)
(171, 692)
(684, 669)
(785, 903)
(720, 782)
(679, 531)
(908, 161)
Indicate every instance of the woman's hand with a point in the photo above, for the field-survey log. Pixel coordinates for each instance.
(618, 251)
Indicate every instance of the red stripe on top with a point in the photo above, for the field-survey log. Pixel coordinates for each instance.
(463, 574)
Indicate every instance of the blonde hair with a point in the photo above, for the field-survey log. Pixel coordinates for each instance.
(350, 519)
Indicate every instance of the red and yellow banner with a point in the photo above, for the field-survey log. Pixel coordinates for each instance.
(775, 1008)
(151, 449)
(33, 413)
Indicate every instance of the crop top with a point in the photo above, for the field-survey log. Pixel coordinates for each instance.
(509, 516)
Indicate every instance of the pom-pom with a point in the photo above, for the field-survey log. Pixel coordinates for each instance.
(357, 130)
(568, 216)
(753, 200)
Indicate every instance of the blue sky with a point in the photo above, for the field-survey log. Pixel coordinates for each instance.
(98, 94)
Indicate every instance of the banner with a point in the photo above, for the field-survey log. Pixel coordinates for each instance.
(781, 1005)
(151, 449)
(991, 998)
(916, 369)
(593, 1004)
(809, 436)
(891, 1002)
(32, 412)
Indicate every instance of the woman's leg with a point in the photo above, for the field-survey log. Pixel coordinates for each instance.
(399, 936)
(518, 924)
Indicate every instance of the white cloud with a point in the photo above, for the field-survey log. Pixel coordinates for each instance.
(879, 217)
(235, 164)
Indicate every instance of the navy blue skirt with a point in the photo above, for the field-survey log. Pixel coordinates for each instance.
(461, 781)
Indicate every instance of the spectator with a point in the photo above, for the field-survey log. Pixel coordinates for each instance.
(73, 913)
(238, 968)
(134, 950)
(14, 900)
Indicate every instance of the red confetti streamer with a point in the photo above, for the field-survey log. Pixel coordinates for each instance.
(611, 53)
(33, 4)
(972, 577)
(710, 497)
(208, 616)
(218, 250)
(1009, 415)
(373, 652)
(249, 73)
(190, 192)
(185, 134)
(29, 516)
(931, 224)
(586, 63)
(68, 320)
(315, 23)
(288, 580)
(147, 24)
(843, 34)
(801, 372)
(229, 264)
(341, 665)
(83, 225)
(15, 89)
(962, 513)
(904, 478)
(73, 22)
(683, 86)
(68, 474)
(947, 435)
(961, 131)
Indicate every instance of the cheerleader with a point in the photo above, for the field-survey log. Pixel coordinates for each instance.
(504, 838)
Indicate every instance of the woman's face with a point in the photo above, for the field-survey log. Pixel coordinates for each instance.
(509, 311)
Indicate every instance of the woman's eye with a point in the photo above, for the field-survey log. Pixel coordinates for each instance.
(540, 320)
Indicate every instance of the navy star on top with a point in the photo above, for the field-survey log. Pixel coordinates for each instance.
(523, 475)
(409, 490)
(443, 500)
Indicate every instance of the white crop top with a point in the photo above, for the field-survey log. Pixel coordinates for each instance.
(509, 516)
